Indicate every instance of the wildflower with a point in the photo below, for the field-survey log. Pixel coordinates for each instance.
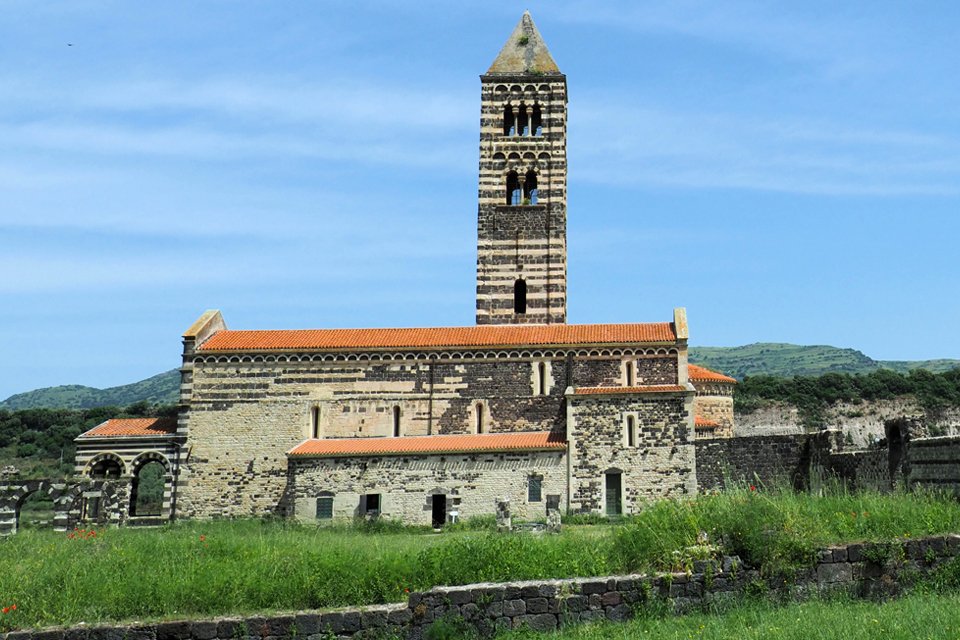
(753, 487)
(5, 610)
(203, 538)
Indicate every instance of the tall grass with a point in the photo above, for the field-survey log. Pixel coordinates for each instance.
(775, 528)
(210, 568)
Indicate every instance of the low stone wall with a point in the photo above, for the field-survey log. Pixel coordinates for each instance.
(861, 569)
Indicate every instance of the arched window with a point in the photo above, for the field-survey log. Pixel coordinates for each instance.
(520, 296)
(396, 422)
(479, 426)
(523, 121)
(631, 431)
(631, 373)
(509, 122)
(542, 378)
(530, 191)
(514, 194)
(536, 121)
(315, 422)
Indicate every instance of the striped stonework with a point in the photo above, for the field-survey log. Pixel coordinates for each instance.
(522, 237)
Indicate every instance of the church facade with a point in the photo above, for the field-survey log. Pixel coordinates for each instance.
(421, 423)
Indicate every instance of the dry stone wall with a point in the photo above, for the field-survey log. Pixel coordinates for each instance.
(857, 569)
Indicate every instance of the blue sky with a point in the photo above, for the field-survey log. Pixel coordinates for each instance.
(787, 171)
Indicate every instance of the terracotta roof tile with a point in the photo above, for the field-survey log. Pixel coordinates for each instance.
(654, 388)
(415, 445)
(436, 337)
(702, 423)
(702, 374)
(133, 427)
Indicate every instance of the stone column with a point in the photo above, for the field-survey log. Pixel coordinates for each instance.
(504, 523)
(553, 514)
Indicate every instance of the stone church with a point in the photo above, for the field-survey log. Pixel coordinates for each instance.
(421, 423)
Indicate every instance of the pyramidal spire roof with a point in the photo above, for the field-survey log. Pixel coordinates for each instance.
(524, 52)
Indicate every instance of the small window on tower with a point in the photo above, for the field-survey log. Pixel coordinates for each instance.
(514, 194)
(479, 425)
(396, 422)
(509, 123)
(530, 191)
(537, 121)
(520, 296)
(631, 373)
(315, 422)
(631, 431)
(523, 121)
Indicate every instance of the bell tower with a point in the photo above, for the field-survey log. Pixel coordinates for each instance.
(522, 219)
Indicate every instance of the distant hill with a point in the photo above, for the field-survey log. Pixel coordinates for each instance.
(788, 360)
(163, 388)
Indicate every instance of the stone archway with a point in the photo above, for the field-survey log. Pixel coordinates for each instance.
(105, 465)
(150, 486)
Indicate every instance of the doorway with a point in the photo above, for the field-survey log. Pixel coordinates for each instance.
(614, 491)
(439, 510)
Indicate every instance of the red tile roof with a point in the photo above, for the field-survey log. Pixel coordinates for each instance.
(702, 374)
(415, 445)
(479, 336)
(653, 388)
(133, 427)
(702, 423)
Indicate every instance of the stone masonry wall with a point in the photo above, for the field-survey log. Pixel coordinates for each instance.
(244, 417)
(407, 484)
(934, 463)
(659, 465)
(767, 459)
(857, 569)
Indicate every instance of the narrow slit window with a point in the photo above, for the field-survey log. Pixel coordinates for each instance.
(523, 121)
(315, 422)
(479, 425)
(631, 431)
(396, 422)
(536, 121)
(520, 296)
(542, 378)
(631, 374)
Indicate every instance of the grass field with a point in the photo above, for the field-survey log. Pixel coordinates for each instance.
(920, 616)
(210, 568)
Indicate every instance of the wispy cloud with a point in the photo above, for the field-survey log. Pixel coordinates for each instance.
(703, 150)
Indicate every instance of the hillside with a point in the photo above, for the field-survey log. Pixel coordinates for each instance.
(788, 360)
(159, 389)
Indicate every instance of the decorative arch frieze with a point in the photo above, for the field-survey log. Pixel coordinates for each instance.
(432, 356)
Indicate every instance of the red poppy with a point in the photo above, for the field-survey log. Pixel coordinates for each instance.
(203, 538)
(753, 488)
(6, 609)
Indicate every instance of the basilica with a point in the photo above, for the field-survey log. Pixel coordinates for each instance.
(426, 424)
